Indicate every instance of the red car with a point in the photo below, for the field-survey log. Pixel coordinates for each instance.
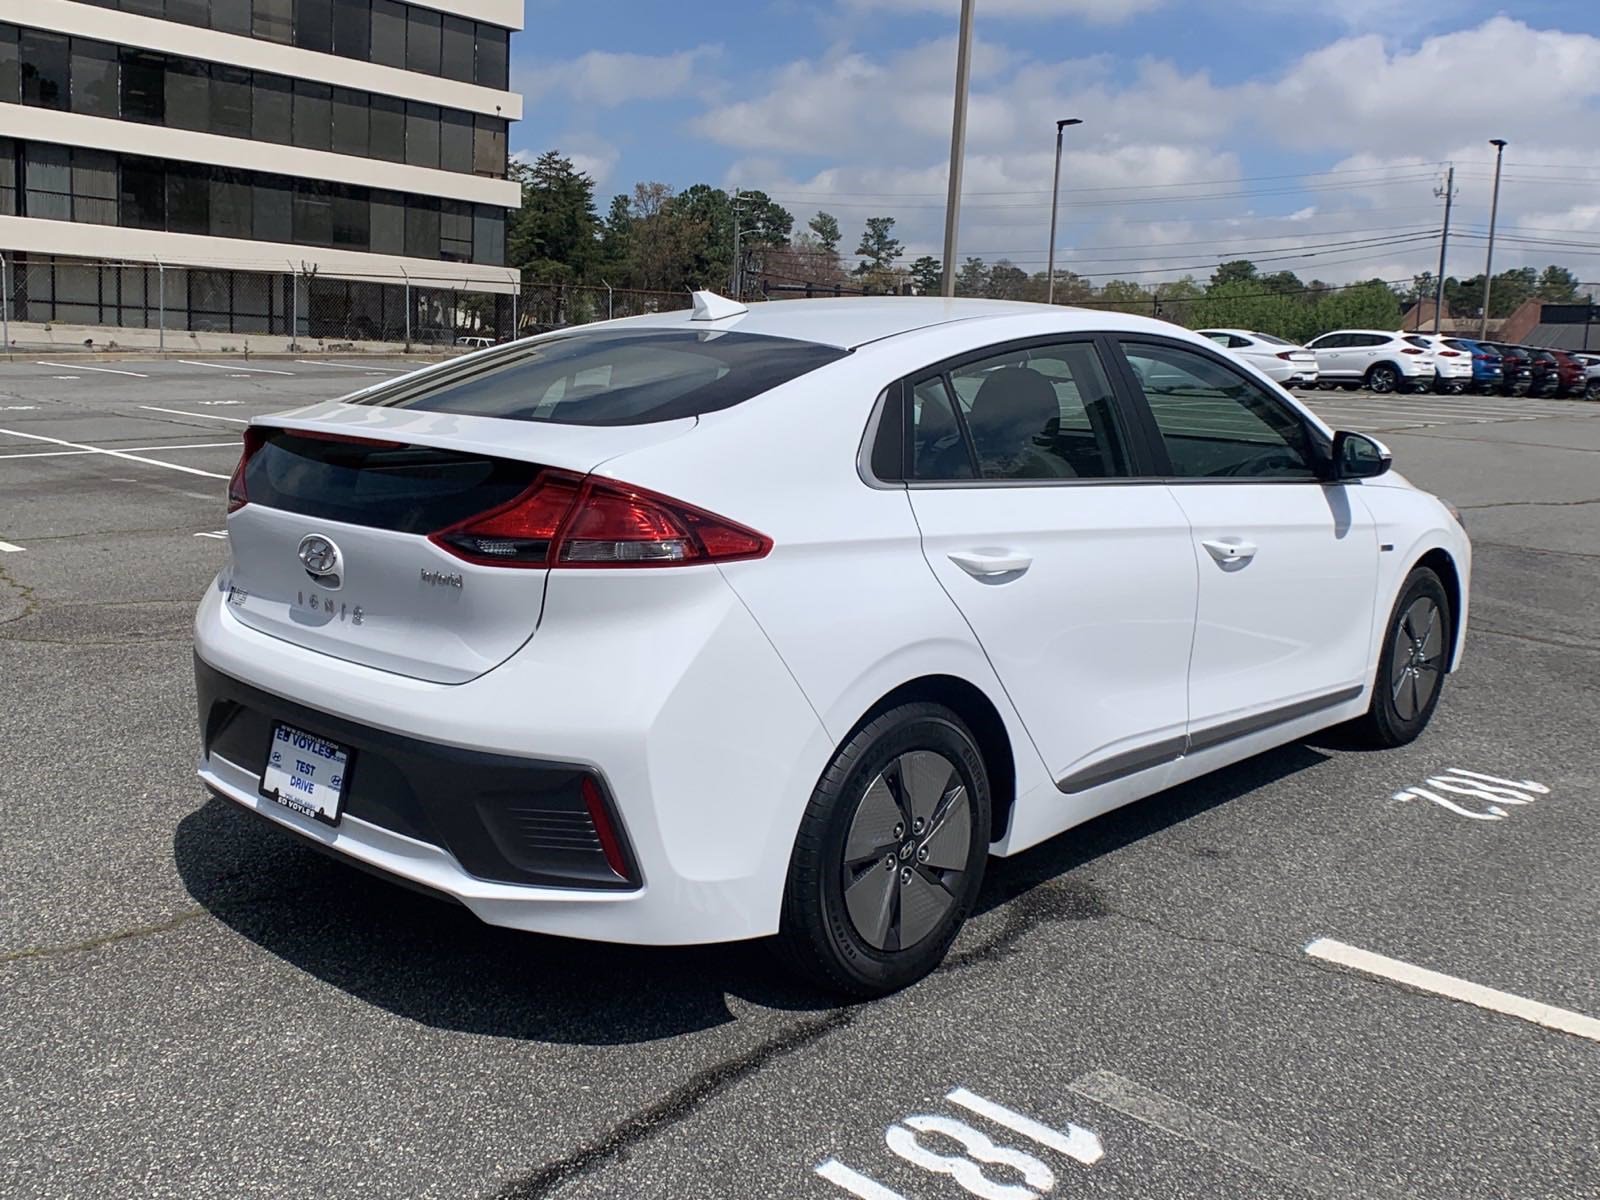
(1567, 378)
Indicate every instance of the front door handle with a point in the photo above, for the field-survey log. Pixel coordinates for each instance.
(1230, 552)
(985, 563)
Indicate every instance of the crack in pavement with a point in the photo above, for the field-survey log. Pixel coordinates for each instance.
(28, 594)
(1558, 643)
(1529, 504)
(105, 939)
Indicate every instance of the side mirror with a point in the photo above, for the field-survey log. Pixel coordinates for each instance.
(1356, 456)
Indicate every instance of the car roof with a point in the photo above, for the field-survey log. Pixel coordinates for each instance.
(852, 321)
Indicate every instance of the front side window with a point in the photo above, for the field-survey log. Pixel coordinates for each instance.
(1215, 423)
(1045, 412)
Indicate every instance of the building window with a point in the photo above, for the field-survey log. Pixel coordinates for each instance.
(232, 212)
(352, 28)
(143, 194)
(190, 12)
(272, 113)
(44, 69)
(489, 236)
(351, 122)
(94, 79)
(455, 141)
(188, 200)
(272, 211)
(231, 16)
(188, 88)
(230, 101)
(388, 33)
(313, 25)
(422, 40)
(8, 177)
(388, 131)
(94, 187)
(489, 147)
(388, 223)
(313, 115)
(352, 216)
(313, 213)
(494, 57)
(47, 171)
(422, 135)
(273, 20)
(144, 86)
(10, 66)
(458, 49)
(422, 228)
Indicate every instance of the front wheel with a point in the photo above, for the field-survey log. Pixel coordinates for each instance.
(890, 854)
(1411, 663)
(1383, 379)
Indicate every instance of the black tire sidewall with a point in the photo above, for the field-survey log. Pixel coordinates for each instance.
(814, 906)
(1394, 729)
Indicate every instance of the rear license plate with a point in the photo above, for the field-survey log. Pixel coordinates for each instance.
(306, 774)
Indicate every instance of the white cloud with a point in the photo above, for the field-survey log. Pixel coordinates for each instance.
(606, 79)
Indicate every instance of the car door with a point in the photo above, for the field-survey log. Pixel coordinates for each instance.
(1288, 563)
(1330, 350)
(1078, 581)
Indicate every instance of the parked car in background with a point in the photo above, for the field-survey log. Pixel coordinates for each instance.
(1280, 361)
(1382, 361)
(1591, 375)
(1566, 373)
(474, 343)
(1487, 362)
(1516, 367)
(1452, 368)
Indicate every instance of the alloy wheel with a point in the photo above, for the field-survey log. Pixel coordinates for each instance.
(1416, 658)
(1382, 379)
(907, 850)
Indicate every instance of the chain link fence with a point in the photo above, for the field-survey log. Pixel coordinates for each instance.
(545, 306)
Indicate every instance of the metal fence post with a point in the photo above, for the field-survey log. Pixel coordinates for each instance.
(408, 309)
(5, 300)
(161, 307)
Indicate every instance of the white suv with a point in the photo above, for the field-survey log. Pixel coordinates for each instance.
(1452, 368)
(1383, 362)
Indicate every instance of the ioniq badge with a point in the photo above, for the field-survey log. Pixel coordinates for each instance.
(322, 561)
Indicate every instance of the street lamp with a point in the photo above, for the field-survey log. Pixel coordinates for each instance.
(958, 147)
(1499, 145)
(1055, 199)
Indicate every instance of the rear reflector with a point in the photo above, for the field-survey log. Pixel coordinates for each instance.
(565, 520)
(600, 818)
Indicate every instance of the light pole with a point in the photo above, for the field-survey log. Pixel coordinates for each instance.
(1055, 200)
(1444, 242)
(1499, 145)
(958, 147)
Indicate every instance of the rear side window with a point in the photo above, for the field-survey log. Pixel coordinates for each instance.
(1421, 343)
(614, 377)
(1458, 344)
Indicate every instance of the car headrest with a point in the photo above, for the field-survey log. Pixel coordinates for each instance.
(1014, 406)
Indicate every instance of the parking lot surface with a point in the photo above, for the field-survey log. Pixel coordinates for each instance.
(1159, 1004)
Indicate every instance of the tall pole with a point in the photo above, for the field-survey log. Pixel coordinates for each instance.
(1444, 243)
(5, 303)
(1499, 145)
(958, 147)
(1055, 202)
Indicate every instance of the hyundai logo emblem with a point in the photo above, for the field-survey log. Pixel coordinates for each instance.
(322, 561)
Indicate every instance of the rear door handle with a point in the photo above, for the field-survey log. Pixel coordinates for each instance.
(984, 563)
(1229, 552)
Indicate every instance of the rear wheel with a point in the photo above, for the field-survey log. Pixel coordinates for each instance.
(1411, 663)
(890, 854)
(1383, 379)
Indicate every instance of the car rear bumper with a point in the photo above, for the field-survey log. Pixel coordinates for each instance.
(705, 761)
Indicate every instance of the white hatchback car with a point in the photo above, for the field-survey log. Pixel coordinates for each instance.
(700, 627)
(1280, 361)
(1383, 362)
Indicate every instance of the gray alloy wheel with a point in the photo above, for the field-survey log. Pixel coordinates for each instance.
(1383, 379)
(1416, 658)
(907, 850)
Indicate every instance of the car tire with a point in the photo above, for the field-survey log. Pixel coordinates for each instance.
(1412, 663)
(1456, 388)
(1383, 379)
(1592, 391)
(890, 854)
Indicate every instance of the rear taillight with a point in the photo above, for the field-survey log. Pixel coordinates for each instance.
(1409, 350)
(1448, 353)
(1285, 355)
(565, 520)
(238, 497)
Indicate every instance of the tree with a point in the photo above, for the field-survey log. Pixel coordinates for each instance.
(826, 228)
(665, 244)
(1557, 285)
(554, 234)
(879, 247)
(1236, 271)
(1124, 295)
(1007, 281)
(927, 273)
(616, 237)
(973, 278)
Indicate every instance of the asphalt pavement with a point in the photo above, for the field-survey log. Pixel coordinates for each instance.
(194, 1005)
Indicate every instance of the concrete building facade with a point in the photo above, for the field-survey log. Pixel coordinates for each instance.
(330, 169)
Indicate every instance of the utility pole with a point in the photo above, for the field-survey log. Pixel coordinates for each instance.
(1444, 243)
(737, 282)
(958, 147)
(1499, 145)
(1055, 200)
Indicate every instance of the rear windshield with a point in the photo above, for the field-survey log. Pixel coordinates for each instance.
(1420, 342)
(611, 377)
(1458, 344)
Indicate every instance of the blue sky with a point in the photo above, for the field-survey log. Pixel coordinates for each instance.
(1314, 134)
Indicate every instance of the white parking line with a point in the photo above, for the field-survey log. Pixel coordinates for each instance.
(76, 367)
(311, 362)
(1076, 1143)
(234, 367)
(854, 1182)
(178, 412)
(1561, 1019)
(153, 462)
(1210, 1132)
(8, 548)
(125, 449)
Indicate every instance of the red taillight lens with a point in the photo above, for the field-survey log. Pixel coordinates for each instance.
(565, 521)
(1410, 350)
(1285, 355)
(1448, 353)
(238, 496)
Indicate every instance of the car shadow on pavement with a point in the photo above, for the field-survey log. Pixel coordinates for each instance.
(435, 963)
